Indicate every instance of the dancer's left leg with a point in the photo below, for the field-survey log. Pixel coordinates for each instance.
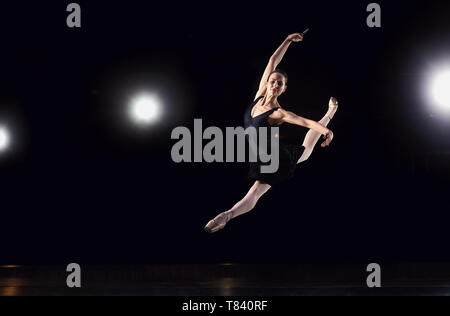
(249, 202)
(244, 206)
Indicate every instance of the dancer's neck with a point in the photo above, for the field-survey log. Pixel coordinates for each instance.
(271, 101)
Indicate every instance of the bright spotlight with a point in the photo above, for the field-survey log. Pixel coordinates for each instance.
(145, 110)
(4, 139)
(440, 90)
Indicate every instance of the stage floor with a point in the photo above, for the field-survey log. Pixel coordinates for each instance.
(227, 280)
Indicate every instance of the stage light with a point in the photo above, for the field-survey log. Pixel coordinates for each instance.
(4, 139)
(440, 90)
(145, 109)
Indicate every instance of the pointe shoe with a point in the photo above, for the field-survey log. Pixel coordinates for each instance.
(218, 223)
(333, 105)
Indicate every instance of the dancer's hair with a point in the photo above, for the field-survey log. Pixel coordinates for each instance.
(281, 72)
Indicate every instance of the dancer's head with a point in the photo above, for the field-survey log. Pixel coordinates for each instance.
(277, 83)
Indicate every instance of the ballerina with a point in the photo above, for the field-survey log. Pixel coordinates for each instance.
(265, 111)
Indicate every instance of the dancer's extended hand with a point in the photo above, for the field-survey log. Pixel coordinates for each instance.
(297, 37)
(328, 139)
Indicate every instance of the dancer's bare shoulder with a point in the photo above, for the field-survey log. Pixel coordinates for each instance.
(282, 114)
(277, 117)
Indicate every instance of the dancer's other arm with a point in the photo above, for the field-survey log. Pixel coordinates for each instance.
(276, 59)
(292, 118)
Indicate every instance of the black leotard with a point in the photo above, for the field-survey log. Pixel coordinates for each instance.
(288, 156)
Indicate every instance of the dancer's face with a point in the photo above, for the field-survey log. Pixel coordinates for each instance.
(277, 84)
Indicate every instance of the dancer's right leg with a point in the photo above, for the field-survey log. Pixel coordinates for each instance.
(245, 205)
(312, 137)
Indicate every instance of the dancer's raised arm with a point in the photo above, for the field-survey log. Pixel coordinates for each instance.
(276, 59)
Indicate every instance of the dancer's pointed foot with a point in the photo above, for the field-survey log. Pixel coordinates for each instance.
(333, 102)
(218, 223)
(333, 106)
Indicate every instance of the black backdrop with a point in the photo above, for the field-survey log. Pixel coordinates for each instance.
(82, 185)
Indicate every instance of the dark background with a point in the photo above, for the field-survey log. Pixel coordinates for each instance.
(84, 185)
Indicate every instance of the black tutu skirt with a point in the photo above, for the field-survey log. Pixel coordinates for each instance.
(290, 154)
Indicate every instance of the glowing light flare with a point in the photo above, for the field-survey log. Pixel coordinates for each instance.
(440, 90)
(4, 139)
(145, 110)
